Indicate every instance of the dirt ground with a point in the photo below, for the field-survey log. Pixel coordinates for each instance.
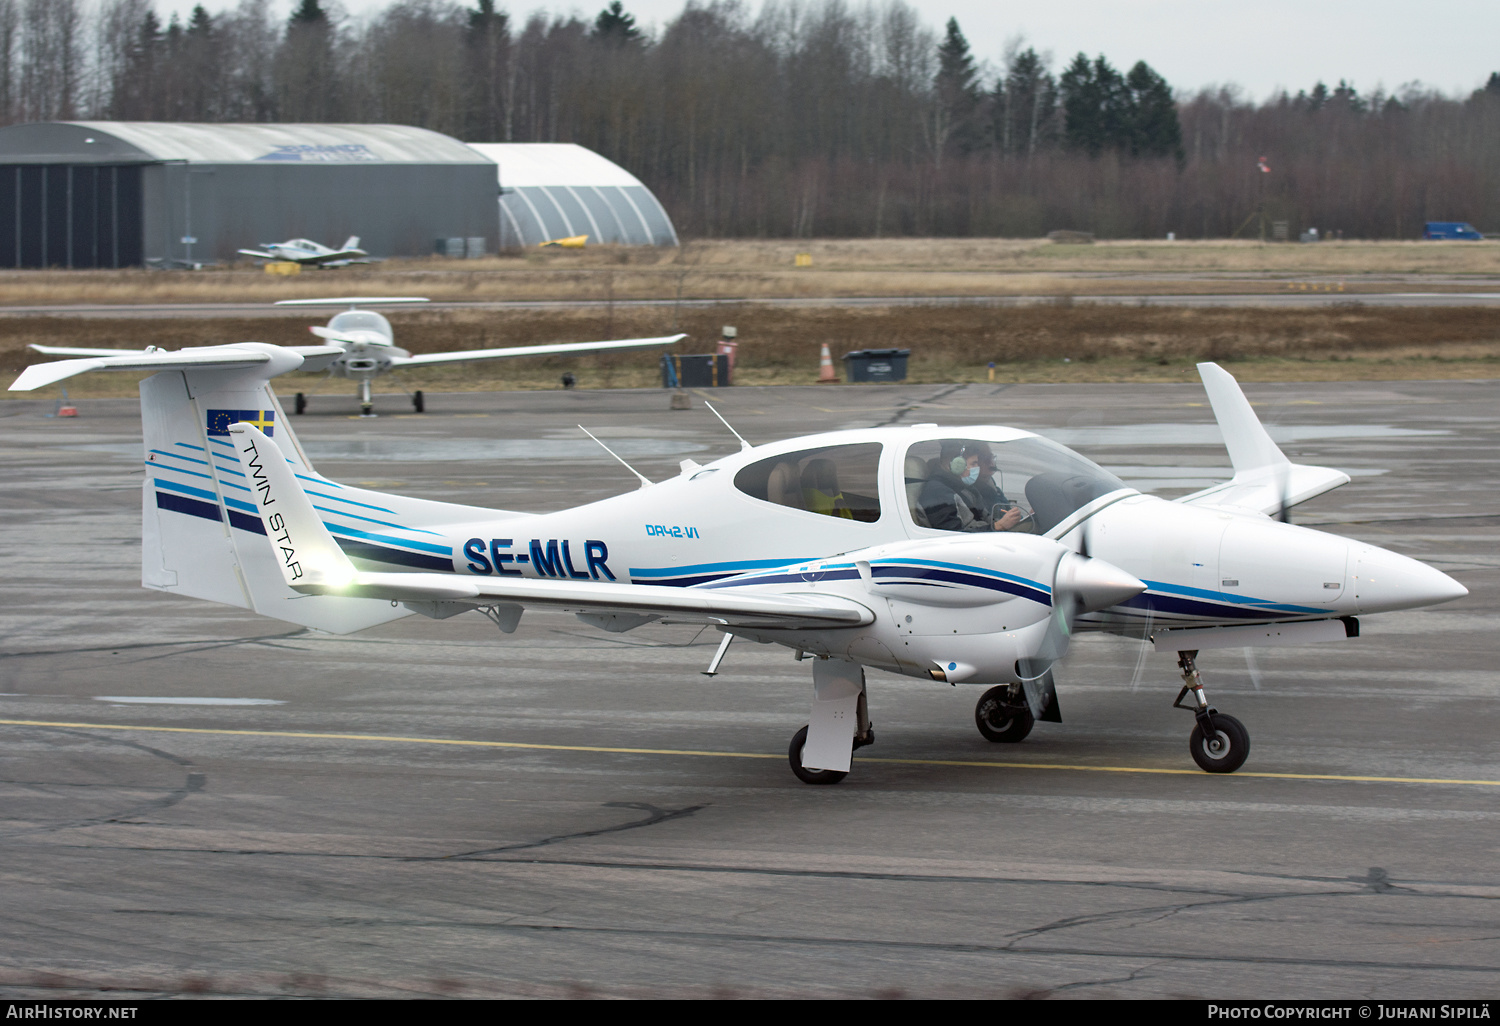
(1052, 342)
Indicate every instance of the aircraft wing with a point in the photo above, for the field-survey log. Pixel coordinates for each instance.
(243, 355)
(427, 359)
(1264, 479)
(312, 563)
(73, 351)
(641, 602)
(263, 256)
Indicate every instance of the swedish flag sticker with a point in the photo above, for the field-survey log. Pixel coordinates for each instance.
(219, 421)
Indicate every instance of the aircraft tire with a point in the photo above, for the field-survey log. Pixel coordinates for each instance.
(1233, 748)
(809, 776)
(418, 403)
(998, 720)
(301, 406)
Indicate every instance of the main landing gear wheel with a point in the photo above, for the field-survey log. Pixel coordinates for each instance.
(809, 776)
(1226, 751)
(301, 403)
(1000, 718)
(417, 402)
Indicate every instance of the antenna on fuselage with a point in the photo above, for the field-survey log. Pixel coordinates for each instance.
(743, 444)
(645, 481)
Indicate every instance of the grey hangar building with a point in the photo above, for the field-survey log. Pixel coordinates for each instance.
(103, 194)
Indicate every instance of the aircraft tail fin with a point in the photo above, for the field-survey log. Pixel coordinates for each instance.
(352, 242)
(1264, 479)
(308, 554)
(202, 533)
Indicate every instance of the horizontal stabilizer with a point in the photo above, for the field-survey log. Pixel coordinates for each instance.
(249, 354)
(428, 359)
(352, 301)
(78, 351)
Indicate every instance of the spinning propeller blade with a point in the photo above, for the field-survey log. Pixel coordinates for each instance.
(1082, 584)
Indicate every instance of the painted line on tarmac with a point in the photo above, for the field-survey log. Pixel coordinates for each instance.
(979, 763)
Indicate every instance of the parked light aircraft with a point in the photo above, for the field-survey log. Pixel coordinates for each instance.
(360, 345)
(830, 545)
(310, 253)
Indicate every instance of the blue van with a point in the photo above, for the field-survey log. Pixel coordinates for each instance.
(1450, 230)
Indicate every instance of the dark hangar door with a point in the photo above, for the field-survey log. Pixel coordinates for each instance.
(70, 215)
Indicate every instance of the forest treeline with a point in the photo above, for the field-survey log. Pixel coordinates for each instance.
(796, 118)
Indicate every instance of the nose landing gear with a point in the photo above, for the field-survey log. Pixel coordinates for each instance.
(1219, 742)
(1002, 714)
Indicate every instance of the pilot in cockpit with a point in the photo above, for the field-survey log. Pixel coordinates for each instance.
(961, 493)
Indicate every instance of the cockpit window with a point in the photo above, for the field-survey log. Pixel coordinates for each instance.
(836, 481)
(361, 320)
(967, 484)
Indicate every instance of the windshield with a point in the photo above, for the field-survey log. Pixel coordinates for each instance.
(361, 320)
(1029, 484)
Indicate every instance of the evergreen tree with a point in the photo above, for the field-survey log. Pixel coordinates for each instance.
(309, 12)
(1155, 129)
(1493, 85)
(488, 40)
(1096, 106)
(956, 85)
(1024, 104)
(614, 27)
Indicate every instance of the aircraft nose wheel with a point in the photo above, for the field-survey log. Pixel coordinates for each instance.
(1001, 715)
(418, 403)
(1226, 751)
(809, 776)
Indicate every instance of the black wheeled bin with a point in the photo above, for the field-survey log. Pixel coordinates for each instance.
(877, 364)
(707, 370)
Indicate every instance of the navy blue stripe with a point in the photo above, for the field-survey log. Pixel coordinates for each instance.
(245, 522)
(685, 582)
(192, 507)
(381, 554)
(956, 577)
(1189, 607)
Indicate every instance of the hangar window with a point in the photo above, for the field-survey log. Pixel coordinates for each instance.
(835, 481)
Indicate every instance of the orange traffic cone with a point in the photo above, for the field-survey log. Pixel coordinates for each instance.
(826, 374)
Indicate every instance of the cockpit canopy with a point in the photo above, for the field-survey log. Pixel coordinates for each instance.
(959, 483)
(362, 320)
(1046, 479)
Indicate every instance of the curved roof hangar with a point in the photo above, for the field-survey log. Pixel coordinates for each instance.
(556, 190)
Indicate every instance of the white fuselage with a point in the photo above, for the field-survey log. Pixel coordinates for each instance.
(938, 596)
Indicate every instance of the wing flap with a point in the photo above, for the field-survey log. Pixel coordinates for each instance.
(428, 359)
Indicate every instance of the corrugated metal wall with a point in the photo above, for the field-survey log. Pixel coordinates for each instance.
(70, 215)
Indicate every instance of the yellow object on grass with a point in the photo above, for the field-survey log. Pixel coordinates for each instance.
(572, 242)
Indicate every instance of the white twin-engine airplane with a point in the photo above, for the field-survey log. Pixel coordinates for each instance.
(847, 547)
(315, 254)
(357, 344)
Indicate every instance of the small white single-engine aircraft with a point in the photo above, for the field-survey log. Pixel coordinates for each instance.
(310, 253)
(962, 555)
(360, 345)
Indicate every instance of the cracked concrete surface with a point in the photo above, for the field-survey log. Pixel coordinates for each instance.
(155, 863)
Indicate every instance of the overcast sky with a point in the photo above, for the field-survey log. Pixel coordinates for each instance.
(1260, 45)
